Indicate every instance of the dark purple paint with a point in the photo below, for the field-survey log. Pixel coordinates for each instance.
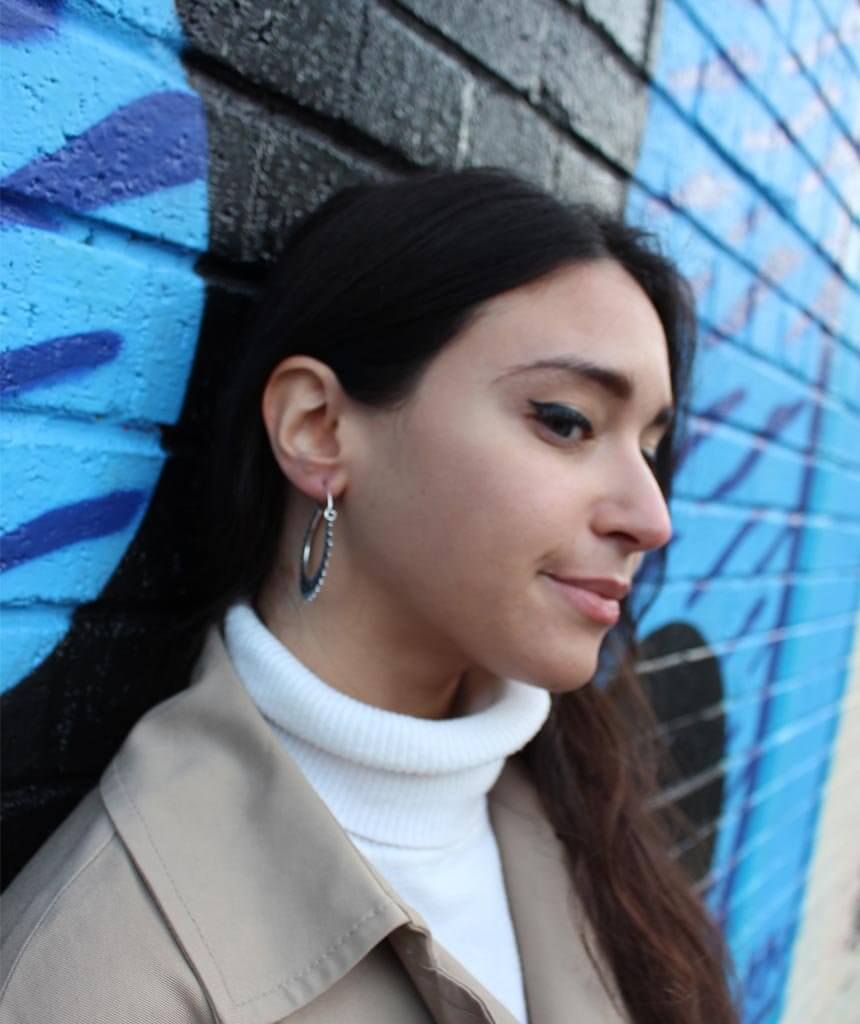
(15, 209)
(153, 143)
(752, 617)
(775, 545)
(779, 419)
(24, 19)
(749, 776)
(762, 982)
(48, 362)
(723, 557)
(68, 524)
(714, 413)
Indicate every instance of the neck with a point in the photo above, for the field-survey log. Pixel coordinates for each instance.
(365, 657)
(389, 778)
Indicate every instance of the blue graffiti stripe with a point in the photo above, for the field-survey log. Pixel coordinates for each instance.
(20, 210)
(752, 616)
(105, 137)
(23, 19)
(49, 362)
(778, 420)
(68, 524)
(723, 557)
(715, 413)
(150, 144)
(757, 167)
(750, 773)
(778, 542)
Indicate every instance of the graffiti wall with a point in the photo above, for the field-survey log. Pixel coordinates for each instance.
(104, 204)
(154, 154)
(749, 171)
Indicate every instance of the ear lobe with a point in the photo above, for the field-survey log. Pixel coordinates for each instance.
(301, 406)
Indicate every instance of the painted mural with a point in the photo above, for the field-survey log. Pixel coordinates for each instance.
(748, 171)
(101, 308)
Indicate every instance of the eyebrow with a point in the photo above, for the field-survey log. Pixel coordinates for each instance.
(614, 382)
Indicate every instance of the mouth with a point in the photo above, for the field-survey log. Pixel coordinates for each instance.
(597, 599)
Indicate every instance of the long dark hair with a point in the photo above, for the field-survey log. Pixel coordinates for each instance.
(374, 283)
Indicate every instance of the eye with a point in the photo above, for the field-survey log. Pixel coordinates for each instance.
(562, 420)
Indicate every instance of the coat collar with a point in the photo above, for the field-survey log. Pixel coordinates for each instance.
(550, 924)
(268, 899)
(237, 853)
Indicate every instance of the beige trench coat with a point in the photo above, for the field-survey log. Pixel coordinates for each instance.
(204, 880)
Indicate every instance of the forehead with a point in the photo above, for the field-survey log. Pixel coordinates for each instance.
(595, 311)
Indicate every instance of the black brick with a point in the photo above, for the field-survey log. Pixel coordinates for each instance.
(626, 22)
(507, 132)
(303, 50)
(264, 171)
(587, 84)
(408, 95)
(504, 35)
(580, 177)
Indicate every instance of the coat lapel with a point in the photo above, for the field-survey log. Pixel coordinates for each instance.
(451, 993)
(562, 985)
(268, 899)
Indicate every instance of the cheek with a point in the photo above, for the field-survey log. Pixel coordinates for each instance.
(486, 501)
(465, 506)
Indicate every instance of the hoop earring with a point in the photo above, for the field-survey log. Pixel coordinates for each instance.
(310, 586)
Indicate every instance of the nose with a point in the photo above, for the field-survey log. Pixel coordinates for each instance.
(633, 509)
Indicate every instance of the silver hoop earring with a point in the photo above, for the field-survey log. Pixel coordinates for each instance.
(310, 586)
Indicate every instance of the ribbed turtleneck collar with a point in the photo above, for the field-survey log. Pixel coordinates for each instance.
(387, 777)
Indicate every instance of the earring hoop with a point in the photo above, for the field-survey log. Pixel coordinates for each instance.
(310, 586)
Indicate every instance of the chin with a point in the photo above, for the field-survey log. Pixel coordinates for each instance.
(563, 675)
(568, 685)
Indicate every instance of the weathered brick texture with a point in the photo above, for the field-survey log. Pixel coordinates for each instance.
(749, 172)
(154, 155)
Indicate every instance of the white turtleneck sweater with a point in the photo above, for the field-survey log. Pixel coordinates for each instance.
(411, 793)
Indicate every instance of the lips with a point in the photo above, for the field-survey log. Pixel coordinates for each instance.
(596, 598)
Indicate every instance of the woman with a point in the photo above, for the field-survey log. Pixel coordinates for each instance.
(390, 793)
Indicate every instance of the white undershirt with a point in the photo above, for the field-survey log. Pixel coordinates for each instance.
(411, 793)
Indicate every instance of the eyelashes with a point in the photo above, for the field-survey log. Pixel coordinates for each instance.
(562, 419)
(569, 423)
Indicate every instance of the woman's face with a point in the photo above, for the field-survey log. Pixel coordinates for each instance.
(521, 459)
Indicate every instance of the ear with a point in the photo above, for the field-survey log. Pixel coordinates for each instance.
(302, 407)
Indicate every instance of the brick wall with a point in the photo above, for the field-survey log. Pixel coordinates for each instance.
(749, 171)
(154, 155)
